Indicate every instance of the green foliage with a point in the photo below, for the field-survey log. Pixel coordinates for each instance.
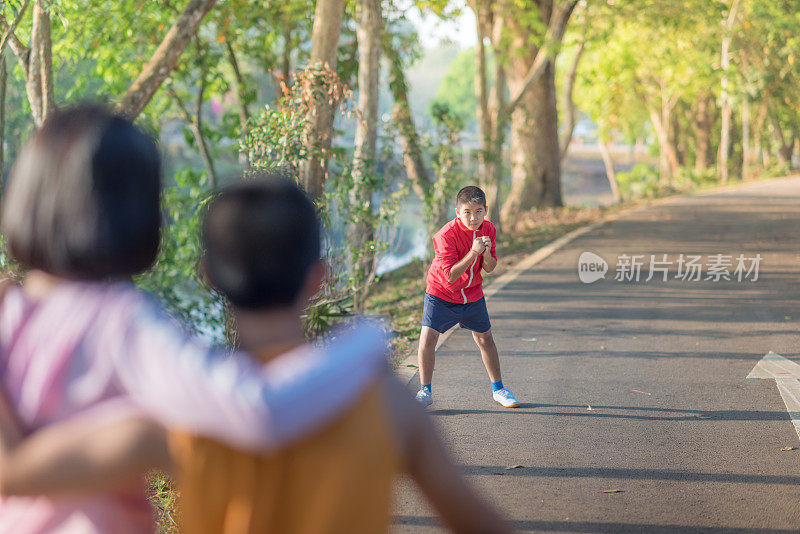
(377, 216)
(457, 89)
(175, 278)
(693, 178)
(276, 137)
(449, 175)
(640, 182)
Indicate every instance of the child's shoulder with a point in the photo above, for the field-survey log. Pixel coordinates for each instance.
(448, 228)
(489, 228)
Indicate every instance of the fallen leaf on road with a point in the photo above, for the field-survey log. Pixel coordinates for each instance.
(589, 407)
(499, 473)
(701, 416)
(514, 467)
(613, 491)
(790, 448)
(530, 339)
(642, 392)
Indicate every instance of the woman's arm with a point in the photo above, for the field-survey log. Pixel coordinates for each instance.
(188, 387)
(96, 451)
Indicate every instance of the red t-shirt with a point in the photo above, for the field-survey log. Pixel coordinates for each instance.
(450, 245)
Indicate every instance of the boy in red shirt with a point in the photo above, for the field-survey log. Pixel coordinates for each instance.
(454, 294)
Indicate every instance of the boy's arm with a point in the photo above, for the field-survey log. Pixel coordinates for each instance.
(88, 453)
(461, 266)
(489, 263)
(428, 463)
(490, 253)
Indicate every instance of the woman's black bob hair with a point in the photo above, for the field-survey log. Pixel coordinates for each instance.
(82, 200)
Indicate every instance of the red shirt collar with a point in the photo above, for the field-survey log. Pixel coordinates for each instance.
(465, 229)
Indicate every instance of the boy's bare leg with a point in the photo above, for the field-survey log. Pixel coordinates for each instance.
(491, 360)
(426, 354)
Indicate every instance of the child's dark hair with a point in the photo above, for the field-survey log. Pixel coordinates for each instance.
(261, 237)
(471, 194)
(83, 197)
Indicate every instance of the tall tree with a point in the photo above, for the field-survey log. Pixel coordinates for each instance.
(324, 47)
(725, 61)
(362, 232)
(530, 74)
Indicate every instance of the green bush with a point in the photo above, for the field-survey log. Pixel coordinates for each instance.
(641, 181)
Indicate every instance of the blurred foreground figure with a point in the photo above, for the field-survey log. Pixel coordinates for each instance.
(82, 349)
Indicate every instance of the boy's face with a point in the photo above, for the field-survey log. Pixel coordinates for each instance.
(471, 214)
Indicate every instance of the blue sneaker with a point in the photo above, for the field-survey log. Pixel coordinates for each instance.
(424, 398)
(504, 397)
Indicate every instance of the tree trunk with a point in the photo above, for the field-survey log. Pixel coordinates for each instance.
(195, 123)
(725, 129)
(362, 231)
(608, 162)
(286, 56)
(670, 151)
(758, 136)
(197, 126)
(45, 46)
(494, 168)
(33, 78)
(724, 138)
(241, 100)
(569, 103)
(785, 146)
(746, 153)
(481, 92)
(164, 59)
(324, 44)
(667, 158)
(702, 133)
(496, 125)
(401, 114)
(535, 155)
(676, 140)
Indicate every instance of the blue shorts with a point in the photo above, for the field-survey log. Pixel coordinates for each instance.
(442, 315)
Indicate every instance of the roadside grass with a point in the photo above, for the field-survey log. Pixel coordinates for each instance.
(164, 499)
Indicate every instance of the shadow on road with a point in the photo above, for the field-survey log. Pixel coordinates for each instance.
(602, 412)
(587, 526)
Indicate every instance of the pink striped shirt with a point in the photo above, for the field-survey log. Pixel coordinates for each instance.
(89, 345)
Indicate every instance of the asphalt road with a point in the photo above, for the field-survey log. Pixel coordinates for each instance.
(674, 424)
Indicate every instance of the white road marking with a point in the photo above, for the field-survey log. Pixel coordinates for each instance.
(786, 374)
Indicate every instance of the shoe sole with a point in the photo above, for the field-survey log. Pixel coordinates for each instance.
(508, 405)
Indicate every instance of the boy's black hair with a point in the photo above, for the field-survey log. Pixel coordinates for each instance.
(82, 200)
(471, 194)
(261, 237)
